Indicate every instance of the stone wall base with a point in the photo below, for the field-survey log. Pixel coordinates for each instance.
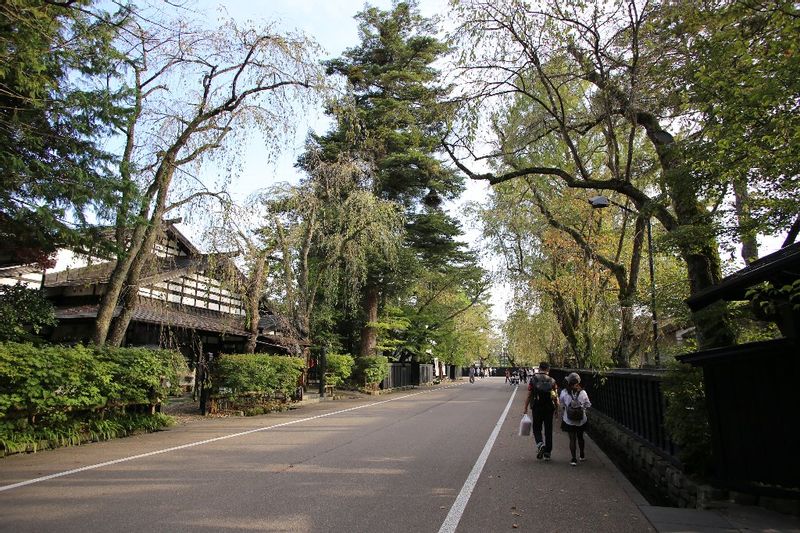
(663, 483)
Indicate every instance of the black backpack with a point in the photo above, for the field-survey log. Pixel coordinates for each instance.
(574, 408)
(542, 388)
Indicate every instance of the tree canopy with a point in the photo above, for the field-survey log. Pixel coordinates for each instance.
(60, 99)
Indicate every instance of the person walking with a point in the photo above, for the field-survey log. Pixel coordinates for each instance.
(574, 403)
(543, 401)
(472, 374)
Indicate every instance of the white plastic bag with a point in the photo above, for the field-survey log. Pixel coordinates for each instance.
(525, 426)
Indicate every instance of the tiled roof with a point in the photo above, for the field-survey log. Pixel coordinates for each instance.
(19, 270)
(153, 313)
(99, 273)
(194, 319)
(168, 315)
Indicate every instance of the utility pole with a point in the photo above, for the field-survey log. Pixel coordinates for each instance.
(656, 352)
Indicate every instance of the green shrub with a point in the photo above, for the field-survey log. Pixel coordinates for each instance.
(238, 374)
(60, 396)
(51, 380)
(339, 368)
(147, 375)
(371, 370)
(19, 436)
(25, 312)
(686, 416)
(50, 385)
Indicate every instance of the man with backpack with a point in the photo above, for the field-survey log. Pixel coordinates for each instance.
(543, 400)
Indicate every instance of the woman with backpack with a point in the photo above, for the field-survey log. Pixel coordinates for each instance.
(574, 402)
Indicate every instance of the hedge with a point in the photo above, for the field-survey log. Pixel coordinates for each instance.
(64, 391)
(372, 370)
(234, 375)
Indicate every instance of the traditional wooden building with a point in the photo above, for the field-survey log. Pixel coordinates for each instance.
(188, 300)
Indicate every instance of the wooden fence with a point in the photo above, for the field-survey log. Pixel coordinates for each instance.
(407, 374)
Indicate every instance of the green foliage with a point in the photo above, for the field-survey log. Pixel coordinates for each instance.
(22, 310)
(780, 305)
(398, 112)
(372, 370)
(739, 71)
(51, 385)
(19, 436)
(686, 416)
(390, 326)
(58, 99)
(240, 374)
(339, 368)
(148, 375)
(392, 126)
(767, 298)
(442, 314)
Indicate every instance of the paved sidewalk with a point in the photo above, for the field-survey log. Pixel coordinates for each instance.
(594, 496)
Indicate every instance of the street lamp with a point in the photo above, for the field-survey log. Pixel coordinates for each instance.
(600, 202)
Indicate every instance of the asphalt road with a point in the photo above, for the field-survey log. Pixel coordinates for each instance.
(445, 459)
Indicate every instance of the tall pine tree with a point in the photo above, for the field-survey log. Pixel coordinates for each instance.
(394, 129)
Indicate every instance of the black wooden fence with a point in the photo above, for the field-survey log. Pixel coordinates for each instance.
(751, 390)
(406, 375)
(632, 398)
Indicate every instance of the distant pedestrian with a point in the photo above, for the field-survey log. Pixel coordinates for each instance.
(508, 375)
(574, 403)
(543, 400)
(472, 374)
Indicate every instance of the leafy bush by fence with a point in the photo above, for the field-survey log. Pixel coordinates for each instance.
(60, 393)
(250, 381)
(339, 368)
(372, 370)
(686, 416)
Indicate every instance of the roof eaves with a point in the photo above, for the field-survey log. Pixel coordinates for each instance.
(732, 287)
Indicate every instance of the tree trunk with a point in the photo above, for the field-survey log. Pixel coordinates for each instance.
(119, 326)
(252, 300)
(252, 329)
(130, 297)
(130, 294)
(369, 333)
(745, 221)
(115, 286)
(622, 351)
(568, 325)
(699, 247)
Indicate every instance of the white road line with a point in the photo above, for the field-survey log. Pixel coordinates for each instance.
(457, 510)
(200, 443)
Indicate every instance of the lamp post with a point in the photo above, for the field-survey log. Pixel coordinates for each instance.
(600, 202)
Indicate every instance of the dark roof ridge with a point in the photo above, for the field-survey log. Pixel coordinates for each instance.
(763, 269)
